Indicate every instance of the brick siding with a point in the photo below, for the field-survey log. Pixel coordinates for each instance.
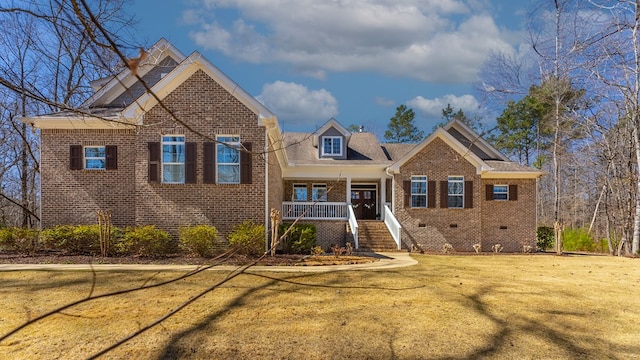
(75, 196)
(429, 229)
(209, 109)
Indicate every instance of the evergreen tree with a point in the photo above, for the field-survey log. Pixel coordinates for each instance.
(401, 128)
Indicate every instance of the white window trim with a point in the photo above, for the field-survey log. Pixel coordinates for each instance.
(237, 145)
(461, 180)
(333, 139)
(506, 192)
(426, 194)
(319, 186)
(85, 157)
(306, 191)
(163, 163)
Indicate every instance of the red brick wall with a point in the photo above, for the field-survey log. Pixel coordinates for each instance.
(209, 109)
(511, 224)
(74, 196)
(429, 229)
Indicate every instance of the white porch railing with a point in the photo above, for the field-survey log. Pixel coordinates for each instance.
(315, 210)
(353, 225)
(393, 225)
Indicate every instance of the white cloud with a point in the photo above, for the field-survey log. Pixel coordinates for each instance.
(384, 102)
(432, 108)
(431, 40)
(296, 103)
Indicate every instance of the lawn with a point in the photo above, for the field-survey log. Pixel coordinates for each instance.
(446, 307)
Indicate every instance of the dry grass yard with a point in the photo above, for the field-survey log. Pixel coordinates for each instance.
(446, 307)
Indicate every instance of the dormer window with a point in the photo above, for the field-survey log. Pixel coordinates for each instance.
(331, 146)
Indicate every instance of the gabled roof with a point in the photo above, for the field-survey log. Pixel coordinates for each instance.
(326, 126)
(121, 101)
(114, 86)
(473, 141)
(489, 162)
(182, 72)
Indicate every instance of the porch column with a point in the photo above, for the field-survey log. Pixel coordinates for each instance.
(383, 196)
(348, 190)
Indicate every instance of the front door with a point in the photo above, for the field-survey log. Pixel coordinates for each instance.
(364, 203)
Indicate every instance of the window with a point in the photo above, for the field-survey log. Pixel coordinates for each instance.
(455, 198)
(299, 192)
(95, 157)
(319, 192)
(332, 145)
(500, 192)
(228, 159)
(173, 159)
(418, 191)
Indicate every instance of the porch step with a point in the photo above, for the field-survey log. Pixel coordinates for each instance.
(374, 236)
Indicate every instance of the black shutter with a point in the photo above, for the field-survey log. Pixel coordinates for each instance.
(444, 194)
(111, 152)
(209, 163)
(468, 194)
(246, 163)
(489, 192)
(406, 185)
(75, 157)
(431, 194)
(154, 162)
(513, 192)
(190, 163)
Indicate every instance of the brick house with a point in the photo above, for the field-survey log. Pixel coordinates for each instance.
(198, 149)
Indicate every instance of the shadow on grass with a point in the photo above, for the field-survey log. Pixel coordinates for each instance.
(509, 329)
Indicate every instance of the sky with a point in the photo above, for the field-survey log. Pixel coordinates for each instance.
(352, 60)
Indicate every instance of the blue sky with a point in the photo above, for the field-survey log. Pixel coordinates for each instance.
(354, 60)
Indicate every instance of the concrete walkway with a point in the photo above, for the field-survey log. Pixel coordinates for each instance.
(386, 261)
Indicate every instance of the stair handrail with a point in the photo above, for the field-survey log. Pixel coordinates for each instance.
(393, 225)
(353, 225)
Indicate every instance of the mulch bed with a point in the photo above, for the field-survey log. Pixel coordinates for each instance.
(278, 260)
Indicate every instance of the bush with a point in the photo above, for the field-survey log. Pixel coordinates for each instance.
(73, 239)
(300, 240)
(23, 241)
(578, 240)
(248, 237)
(545, 237)
(198, 240)
(146, 241)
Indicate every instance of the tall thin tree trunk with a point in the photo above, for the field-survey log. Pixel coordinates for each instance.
(635, 242)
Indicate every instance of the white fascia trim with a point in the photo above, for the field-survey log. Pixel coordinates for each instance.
(180, 74)
(125, 78)
(333, 172)
(441, 133)
(511, 175)
(475, 138)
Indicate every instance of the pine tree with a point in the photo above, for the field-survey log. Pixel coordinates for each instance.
(401, 128)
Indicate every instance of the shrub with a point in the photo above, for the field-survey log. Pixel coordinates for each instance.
(73, 239)
(300, 240)
(544, 237)
(23, 241)
(198, 240)
(578, 240)
(146, 241)
(248, 237)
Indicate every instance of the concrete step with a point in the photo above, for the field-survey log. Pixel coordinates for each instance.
(374, 236)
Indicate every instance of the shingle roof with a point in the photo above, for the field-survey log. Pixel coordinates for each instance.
(397, 151)
(363, 149)
(509, 166)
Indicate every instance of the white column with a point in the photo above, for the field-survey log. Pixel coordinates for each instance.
(348, 190)
(383, 195)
